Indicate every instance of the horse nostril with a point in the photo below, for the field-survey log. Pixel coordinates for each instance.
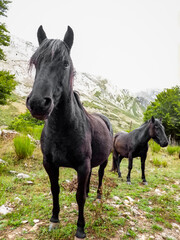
(47, 102)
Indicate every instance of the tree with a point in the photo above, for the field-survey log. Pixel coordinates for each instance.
(7, 85)
(7, 82)
(4, 37)
(167, 107)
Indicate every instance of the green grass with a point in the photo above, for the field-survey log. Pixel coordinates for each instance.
(7, 115)
(173, 149)
(154, 146)
(103, 220)
(8, 112)
(23, 146)
(158, 162)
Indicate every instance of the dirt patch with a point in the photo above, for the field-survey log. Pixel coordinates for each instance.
(25, 231)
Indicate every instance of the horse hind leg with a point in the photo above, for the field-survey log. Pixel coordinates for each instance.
(101, 174)
(88, 183)
(114, 162)
(130, 165)
(118, 165)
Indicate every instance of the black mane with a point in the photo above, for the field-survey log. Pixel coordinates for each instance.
(48, 50)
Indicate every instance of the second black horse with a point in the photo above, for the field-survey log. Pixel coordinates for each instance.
(135, 144)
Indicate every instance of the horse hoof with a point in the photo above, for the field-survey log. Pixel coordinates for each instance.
(98, 200)
(99, 196)
(80, 234)
(145, 183)
(53, 226)
(128, 182)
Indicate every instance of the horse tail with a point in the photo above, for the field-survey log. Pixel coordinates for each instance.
(114, 156)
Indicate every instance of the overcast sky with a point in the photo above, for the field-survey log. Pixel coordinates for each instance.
(133, 43)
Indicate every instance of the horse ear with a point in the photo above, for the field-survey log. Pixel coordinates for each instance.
(41, 34)
(152, 119)
(69, 37)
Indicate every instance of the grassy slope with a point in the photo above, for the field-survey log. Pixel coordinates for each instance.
(15, 106)
(149, 214)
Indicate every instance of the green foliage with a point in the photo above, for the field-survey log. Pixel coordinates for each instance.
(159, 163)
(97, 94)
(157, 227)
(4, 38)
(154, 146)
(23, 146)
(167, 107)
(173, 149)
(25, 123)
(91, 105)
(7, 85)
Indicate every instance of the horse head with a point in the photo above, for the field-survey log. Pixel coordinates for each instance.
(54, 73)
(157, 132)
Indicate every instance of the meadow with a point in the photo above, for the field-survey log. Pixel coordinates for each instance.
(126, 211)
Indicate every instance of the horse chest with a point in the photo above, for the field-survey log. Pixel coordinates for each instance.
(140, 150)
(65, 151)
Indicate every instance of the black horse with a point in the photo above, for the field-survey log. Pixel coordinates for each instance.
(71, 137)
(135, 144)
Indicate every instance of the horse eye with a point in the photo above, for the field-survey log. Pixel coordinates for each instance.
(65, 63)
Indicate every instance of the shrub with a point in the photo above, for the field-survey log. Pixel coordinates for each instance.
(23, 146)
(25, 124)
(173, 149)
(164, 163)
(158, 163)
(7, 85)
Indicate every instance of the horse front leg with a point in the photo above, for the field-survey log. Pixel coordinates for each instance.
(53, 173)
(143, 159)
(130, 165)
(83, 176)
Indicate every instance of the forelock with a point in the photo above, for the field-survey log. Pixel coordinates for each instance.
(47, 50)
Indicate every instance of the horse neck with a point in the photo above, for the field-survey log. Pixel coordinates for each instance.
(67, 112)
(144, 134)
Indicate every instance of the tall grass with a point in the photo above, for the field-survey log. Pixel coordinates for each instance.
(173, 149)
(23, 146)
(159, 162)
(154, 146)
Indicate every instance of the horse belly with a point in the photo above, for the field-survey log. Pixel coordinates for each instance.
(100, 152)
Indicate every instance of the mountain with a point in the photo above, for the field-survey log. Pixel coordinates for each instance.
(124, 109)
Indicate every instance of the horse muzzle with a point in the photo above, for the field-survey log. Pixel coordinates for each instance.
(39, 108)
(164, 144)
